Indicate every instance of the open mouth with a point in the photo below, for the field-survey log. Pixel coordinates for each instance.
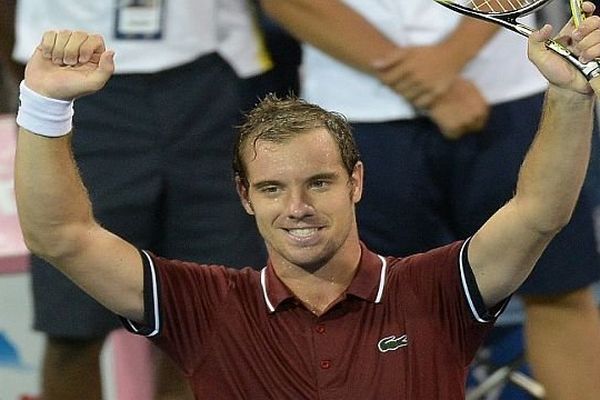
(302, 233)
(305, 236)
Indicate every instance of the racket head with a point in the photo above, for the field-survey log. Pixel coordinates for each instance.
(576, 12)
(509, 9)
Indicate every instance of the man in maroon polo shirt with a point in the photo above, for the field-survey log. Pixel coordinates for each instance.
(326, 318)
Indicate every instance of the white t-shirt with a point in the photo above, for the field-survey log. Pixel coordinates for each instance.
(240, 40)
(501, 70)
(190, 29)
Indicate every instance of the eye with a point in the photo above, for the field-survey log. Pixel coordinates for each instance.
(270, 189)
(319, 184)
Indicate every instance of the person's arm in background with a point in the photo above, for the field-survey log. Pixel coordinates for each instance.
(429, 77)
(341, 32)
(334, 28)
(7, 39)
(422, 73)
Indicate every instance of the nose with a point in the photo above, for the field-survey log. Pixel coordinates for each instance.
(299, 205)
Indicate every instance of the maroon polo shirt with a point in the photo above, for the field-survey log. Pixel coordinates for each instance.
(406, 328)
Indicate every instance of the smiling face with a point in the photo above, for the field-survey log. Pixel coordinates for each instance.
(303, 198)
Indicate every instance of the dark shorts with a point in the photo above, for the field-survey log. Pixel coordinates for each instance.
(155, 153)
(422, 191)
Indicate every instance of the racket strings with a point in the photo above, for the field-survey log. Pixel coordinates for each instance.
(498, 6)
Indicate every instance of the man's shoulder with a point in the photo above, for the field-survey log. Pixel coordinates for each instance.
(192, 268)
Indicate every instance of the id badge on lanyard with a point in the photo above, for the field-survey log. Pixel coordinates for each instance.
(139, 19)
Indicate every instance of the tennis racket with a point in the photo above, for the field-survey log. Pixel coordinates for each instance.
(506, 13)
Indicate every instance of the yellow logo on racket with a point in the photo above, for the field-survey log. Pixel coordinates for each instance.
(576, 12)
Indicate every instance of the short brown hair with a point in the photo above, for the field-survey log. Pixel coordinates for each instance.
(278, 120)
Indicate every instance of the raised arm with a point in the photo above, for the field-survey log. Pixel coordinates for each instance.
(504, 251)
(54, 209)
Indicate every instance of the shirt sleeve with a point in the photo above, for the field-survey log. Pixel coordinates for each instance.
(471, 291)
(442, 289)
(150, 327)
(181, 300)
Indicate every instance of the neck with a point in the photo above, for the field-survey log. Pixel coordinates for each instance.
(318, 289)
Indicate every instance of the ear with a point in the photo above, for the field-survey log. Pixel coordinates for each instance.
(356, 180)
(242, 191)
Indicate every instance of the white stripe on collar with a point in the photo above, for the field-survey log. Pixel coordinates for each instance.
(263, 284)
(381, 279)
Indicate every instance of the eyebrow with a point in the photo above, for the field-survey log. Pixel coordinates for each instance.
(325, 175)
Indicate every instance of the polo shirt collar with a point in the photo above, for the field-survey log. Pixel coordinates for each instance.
(368, 283)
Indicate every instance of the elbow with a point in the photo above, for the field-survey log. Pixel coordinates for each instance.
(34, 241)
(41, 246)
(554, 223)
(543, 215)
(562, 221)
(31, 243)
(558, 215)
(563, 218)
(54, 245)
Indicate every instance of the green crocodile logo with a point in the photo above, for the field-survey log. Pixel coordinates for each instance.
(392, 343)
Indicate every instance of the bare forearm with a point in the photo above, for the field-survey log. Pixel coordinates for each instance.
(334, 28)
(554, 169)
(51, 198)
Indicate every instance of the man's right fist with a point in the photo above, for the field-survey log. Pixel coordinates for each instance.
(69, 64)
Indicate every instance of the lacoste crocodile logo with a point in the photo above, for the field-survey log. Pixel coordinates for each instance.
(392, 343)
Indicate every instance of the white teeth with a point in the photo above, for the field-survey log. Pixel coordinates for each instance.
(302, 232)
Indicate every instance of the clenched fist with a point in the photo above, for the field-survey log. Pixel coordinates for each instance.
(69, 64)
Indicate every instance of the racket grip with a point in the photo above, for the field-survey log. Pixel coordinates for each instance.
(590, 69)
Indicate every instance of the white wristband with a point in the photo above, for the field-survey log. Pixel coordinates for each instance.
(42, 115)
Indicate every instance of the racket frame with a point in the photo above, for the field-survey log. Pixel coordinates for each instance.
(576, 12)
(508, 19)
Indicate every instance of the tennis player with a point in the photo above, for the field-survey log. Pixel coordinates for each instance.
(326, 318)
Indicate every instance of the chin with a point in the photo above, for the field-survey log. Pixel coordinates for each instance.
(310, 262)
